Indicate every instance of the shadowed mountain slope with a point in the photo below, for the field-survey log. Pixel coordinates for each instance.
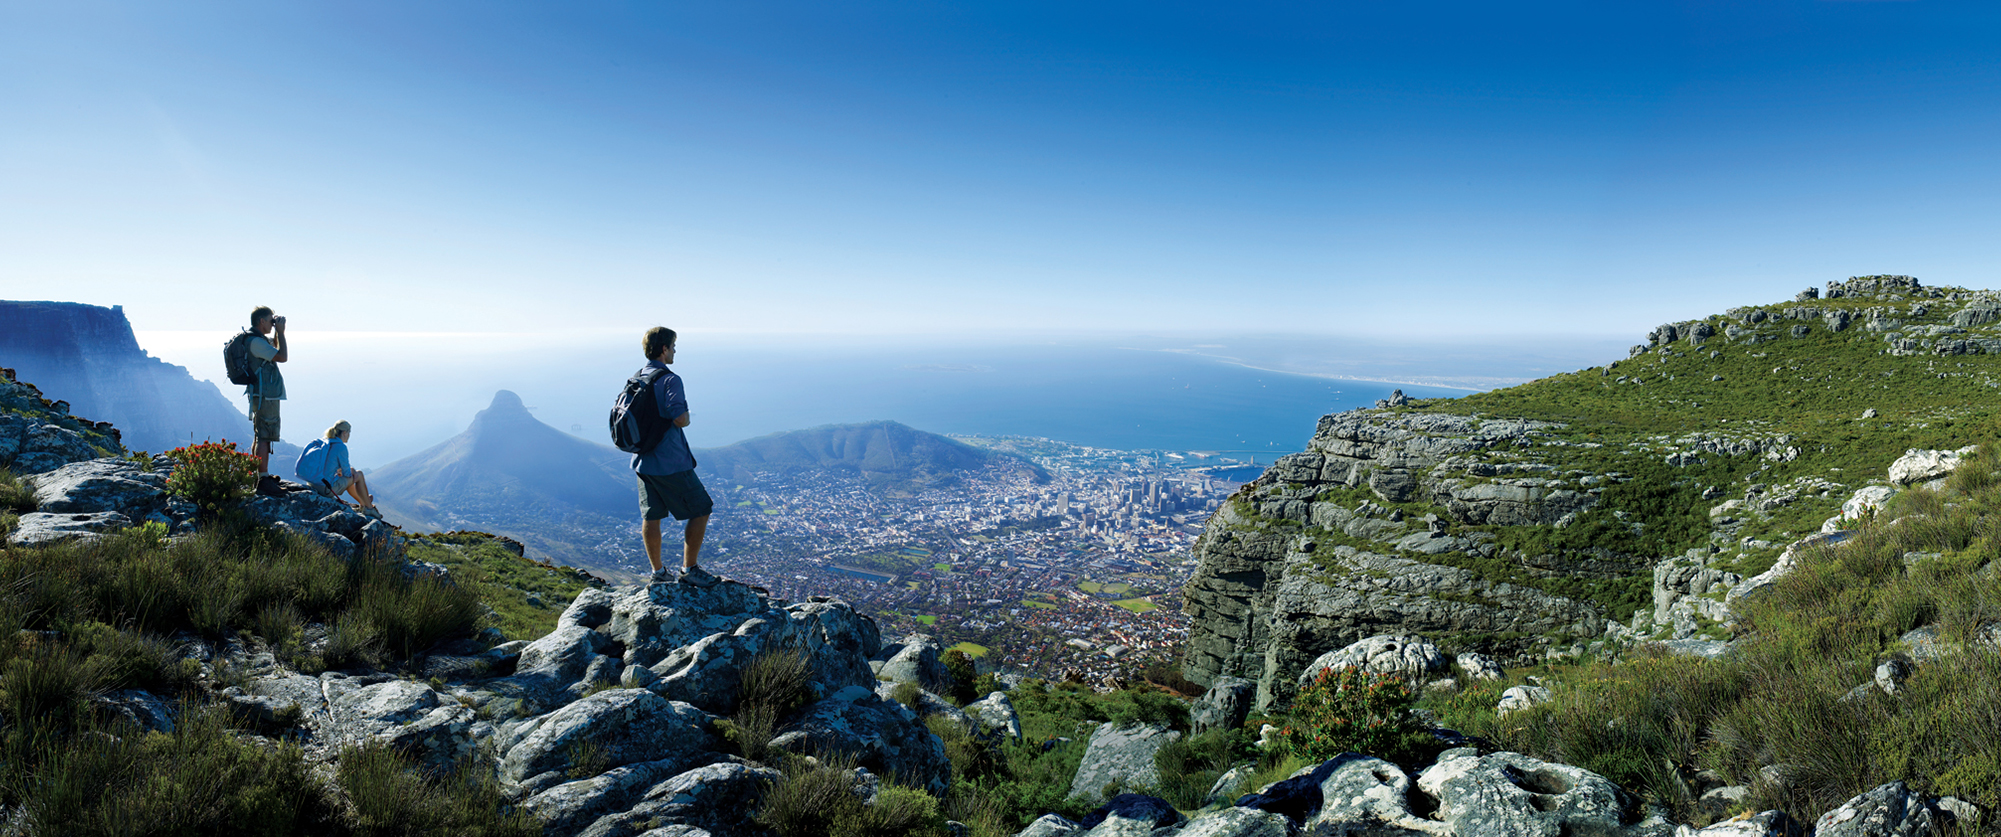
(508, 472)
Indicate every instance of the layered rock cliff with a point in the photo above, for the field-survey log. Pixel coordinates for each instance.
(87, 357)
(1529, 521)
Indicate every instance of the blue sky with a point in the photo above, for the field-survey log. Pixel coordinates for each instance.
(1416, 171)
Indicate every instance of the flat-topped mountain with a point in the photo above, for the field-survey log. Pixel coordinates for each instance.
(887, 454)
(1538, 517)
(86, 355)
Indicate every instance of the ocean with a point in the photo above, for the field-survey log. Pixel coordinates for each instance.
(404, 394)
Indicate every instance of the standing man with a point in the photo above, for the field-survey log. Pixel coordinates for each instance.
(667, 481)
(270, 348)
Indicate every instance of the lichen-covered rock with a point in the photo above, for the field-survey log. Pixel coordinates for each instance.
(995, 716)
(1235, 822)
(1049, 825)
(715, 798)
(1384, 654)
(573, 806)
(1509, 793)
(33, 445)
(1120, 756)
(1917, 466)
(41, 528)
(885, 737)
(1225, 705)
(1517, 698)
(611, 728)
(100, 485)
(1479, 666)
(1888, 810)
(1762, 824)
(1130, 815)
(917, 661)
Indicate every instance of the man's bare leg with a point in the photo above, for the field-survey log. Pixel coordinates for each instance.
(691, 545)
(262, 451)
(649, 531)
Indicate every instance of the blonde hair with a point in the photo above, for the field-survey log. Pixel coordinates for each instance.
(339, 427)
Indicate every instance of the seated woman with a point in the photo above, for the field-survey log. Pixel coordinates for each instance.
(324, 466)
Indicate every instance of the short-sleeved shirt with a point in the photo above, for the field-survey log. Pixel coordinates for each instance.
(270, 383)
(336, 466)
(672, 455)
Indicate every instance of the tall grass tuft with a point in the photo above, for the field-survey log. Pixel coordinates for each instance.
(773, 685)
(818, 800)
(393, 799)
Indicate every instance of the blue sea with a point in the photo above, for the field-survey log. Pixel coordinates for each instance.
(404, 397)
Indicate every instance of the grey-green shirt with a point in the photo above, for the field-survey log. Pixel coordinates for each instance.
(270, 383)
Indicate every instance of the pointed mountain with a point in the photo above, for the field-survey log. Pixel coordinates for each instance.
(509, 473)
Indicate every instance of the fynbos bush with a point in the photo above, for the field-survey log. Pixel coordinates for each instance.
(212, 475)
(1349, 710)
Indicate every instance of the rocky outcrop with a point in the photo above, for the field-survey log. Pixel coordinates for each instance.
(37, 434)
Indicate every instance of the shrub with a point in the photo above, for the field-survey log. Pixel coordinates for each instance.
(818, 800)
(393, 798)
(907, 694)
(1350, 710)
(770, 688)
(1146, 704)
(964, 673)
(1189, 766)
(15, 496)
(212, 475)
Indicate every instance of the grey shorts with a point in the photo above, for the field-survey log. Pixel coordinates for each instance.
(334, 487)
(679, 494)
(264, 418)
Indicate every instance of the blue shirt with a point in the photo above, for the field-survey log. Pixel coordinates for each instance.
(672, 455)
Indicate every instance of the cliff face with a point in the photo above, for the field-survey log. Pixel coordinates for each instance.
(87, 356)
(1529, 521)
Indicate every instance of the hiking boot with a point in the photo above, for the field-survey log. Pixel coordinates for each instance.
(269, 486)
(661, 576)
(699, 577)
(371, 511)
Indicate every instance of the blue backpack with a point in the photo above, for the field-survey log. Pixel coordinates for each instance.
(313, 463)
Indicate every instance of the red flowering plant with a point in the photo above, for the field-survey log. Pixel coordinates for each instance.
(1347, 710)
(212, 475)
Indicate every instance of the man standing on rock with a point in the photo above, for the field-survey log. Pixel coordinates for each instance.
(667, 481)
(270, 348)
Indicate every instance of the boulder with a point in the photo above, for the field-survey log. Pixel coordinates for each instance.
(31, 446)
(1479, 666)
(405, 714)
(707, 671)
(1235, 822)
(611, 728)
(1509, 793)
(1521, 697)
(995, 716)
(1121, 756)
(881, 735)
(1889, 810)
(141, 708)
(711, 800)
(1348, 794)
(1048, 825)
(1130, 815)
(1225, 706)
(41, 528)
(1763, 824)
(1917, 466)
(1382, 654)
(100, 485)
(1229, 786)
(917, 661)
(559, 659)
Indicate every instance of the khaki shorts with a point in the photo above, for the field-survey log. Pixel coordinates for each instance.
(334, 487)
(264, 418)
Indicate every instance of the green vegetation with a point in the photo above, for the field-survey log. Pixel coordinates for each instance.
(506, 582)
(212, 475)
(1349, 710)
(1784, 695)
(773, 685)
(1137, 605)
(925, 618)
(817, 800)
(970, 649)
(393, 798)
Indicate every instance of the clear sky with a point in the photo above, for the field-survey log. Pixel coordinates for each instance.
(1411, 169)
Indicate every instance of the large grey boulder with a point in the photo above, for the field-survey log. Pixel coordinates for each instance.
(558, 660)
(571, 807)
(1888, 810)
(1224, 706)
(1235, 822)
(1513, 794)
(1762, 824)
(917, 661)
(995, 716)
(1121, 756)
(41, 528)
(1131, 815)
(1917, 466)
(1049, 825)
(1382, 654)
(882, 735)
(408, 716)
(715, 800)
(1348, 794)
(100, 485)
(610, 729)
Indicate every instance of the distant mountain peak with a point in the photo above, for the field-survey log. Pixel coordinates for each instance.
(506, 401)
